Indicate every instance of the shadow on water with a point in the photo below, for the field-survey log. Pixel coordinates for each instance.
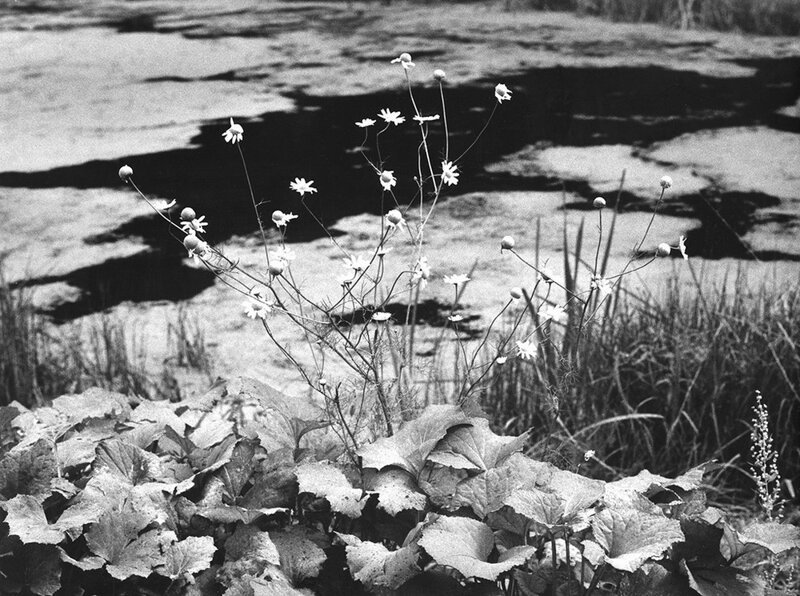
(559, 106)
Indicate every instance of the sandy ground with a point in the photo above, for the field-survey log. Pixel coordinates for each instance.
(73, 89)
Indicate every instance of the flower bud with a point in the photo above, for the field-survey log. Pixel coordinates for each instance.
(599, 203)
(666, 182)
(394, 217)
(507, 243)
(516, 292)
(125, 172)
(191, 242)
(188, 214)
(276, 267)
(405, 57)
(663, 250)
(439, 74)
(386, 177)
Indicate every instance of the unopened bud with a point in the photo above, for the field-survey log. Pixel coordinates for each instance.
(663, 250)
(276, 267)
(439, 74)
(125, 172)
(666, 182)
(191, 242)
(188, 214)
(599, 203)
(516, 293)
(394, 217)
(507, 243)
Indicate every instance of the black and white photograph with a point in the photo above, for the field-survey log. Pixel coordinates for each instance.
(399, 297)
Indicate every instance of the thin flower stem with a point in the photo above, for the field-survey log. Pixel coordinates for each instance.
(423, 131)
(255, 205)
(650, 223)
(653, 258)
(164, 217)
(477, 350)
(543, 274)
(444, 121)
(480, 134)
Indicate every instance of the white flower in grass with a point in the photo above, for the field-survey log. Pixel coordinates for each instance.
(666, 182)
(456, 279)
(380, 317)
(162, 205)
(356, 263)
(302, 187)
(589, 455)
(387, 179)
(234, 134)
(258, 306)
(449, 174)
(280, 219)
(603, 287)
(682, 247)
(526, 349)
(502, 93)
(553, 313)
(423, 119)
(391, 117)
(365, 123)
(405, 61)
(195, 225)
(455, 318)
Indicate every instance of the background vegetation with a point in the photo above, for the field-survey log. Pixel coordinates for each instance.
(763, 17)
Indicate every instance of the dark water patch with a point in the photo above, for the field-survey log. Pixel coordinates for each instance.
(145, 277)
(430, 312)
(229, 76)
(136, 23)
(725, 218)
(319, 141)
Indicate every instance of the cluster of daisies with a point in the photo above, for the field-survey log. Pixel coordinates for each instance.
(260, 306)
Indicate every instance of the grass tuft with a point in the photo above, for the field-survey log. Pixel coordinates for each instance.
(665, 383)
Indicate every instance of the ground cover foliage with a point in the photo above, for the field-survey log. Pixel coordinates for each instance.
(235, 492)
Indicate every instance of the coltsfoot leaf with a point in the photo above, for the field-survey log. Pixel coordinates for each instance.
(187, 557)
(633, 535)
(409, 447)
(465, 545)
(323, 479)
(376, 566)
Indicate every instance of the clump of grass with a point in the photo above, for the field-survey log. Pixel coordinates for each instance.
(40, 361)
(187, 342)
(666, 382)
